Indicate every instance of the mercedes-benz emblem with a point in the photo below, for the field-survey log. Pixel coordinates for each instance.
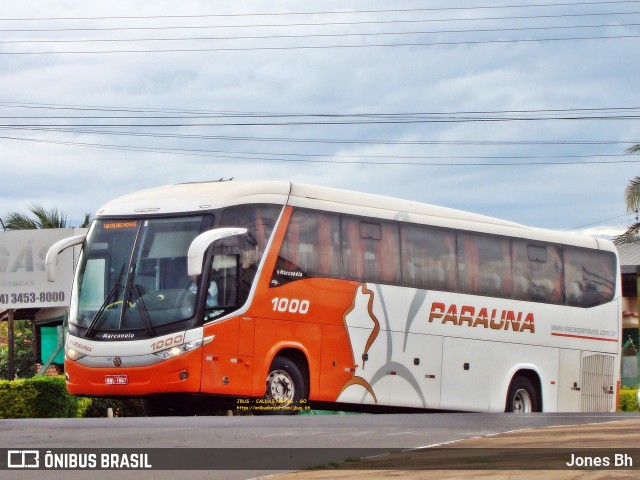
(117, 361)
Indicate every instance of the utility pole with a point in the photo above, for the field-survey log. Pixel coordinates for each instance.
(10, 334)
(638, 292)
(11, 341)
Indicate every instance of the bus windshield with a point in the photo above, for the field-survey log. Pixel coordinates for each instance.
(132, 279)
(132, 276)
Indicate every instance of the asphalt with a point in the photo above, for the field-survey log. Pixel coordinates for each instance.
(603, 451)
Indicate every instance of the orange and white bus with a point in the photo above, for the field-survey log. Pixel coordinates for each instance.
(262, 295)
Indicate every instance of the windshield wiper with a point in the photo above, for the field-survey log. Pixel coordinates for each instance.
(99, 317)
(142, 308)
(144, 312)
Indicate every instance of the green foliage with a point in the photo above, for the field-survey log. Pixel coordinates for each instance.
(632, 199)
(47, 397)
(37, 397)
(128, 407)
(86, 223)
(628, 400)
(16, 398)
(39, 217)
(632, 193)
(23, 358)
(84, 404)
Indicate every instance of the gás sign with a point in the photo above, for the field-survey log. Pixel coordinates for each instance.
(23, 282)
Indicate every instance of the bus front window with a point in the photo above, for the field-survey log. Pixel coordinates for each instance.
(132, 277)
(160, 291)
(102, 270)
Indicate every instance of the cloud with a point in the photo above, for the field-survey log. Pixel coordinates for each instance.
(527, 77)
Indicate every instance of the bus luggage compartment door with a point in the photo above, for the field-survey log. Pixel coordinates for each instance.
(598, 388)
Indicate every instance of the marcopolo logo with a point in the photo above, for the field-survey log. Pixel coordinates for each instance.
(23, 459)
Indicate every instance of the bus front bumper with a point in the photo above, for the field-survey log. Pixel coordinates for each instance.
(180, 374)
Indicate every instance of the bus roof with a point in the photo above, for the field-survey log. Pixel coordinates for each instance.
(196, 196)
(203, 196)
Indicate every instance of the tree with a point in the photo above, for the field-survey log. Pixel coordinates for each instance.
(40, 218)
(633, 149)
(23, 358)
(632, 199)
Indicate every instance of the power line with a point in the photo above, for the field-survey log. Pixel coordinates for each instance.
(349, 12)
(306, 159)
(385, 117)
(341, 122)
(174, 112)
(181, 115)
(595, 223)
(102, 108)
(322, 24)
(386, 21)
(177, 119)
(330, 141)
(320, 47)
(322, 35)
(385, 156)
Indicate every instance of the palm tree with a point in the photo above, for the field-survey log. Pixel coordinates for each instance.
(632, 199)
(40, 218)
(633, 148)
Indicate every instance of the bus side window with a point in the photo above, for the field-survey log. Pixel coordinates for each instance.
(329, 252)
(371, 251)
(317, 250)
(353, 250)
(589, 277)
(388, 253)
(311, 247)
(259, 220)
(521, 276)
(537, 272)
(428, 258)
(484, 265)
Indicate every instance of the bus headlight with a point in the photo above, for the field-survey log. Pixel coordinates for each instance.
(177, 350)
(73, 354)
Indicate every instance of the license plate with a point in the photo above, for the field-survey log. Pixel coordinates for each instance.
(116, 379)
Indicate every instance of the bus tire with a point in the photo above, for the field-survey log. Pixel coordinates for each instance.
(522, 396)
(285, 387)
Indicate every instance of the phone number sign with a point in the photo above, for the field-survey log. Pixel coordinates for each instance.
(23, 282)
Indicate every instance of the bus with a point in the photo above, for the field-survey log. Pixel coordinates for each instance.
(275, 297)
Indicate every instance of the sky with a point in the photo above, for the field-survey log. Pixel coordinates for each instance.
(517, 110)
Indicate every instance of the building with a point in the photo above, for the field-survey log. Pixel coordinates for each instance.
(630, 269)
(26, 294)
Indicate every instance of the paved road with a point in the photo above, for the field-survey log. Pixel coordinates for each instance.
(335, 431)
(595, 451)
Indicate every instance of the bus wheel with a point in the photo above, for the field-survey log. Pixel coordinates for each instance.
(522, 396)
(285, 387)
